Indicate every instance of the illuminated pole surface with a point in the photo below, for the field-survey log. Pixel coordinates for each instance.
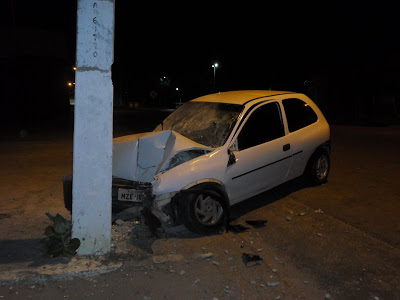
(92, 165)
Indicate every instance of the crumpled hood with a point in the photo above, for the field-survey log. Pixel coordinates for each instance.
(139, 157)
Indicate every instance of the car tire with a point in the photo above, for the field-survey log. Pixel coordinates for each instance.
(319, 167)
(205, 211)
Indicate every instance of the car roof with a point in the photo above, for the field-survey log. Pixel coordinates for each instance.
(239, 97)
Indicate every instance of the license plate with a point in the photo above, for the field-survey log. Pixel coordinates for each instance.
(130, 195)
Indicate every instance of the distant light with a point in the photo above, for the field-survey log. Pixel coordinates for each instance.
(74, 68)
(177, 89)
(215, 65)
(70, 83)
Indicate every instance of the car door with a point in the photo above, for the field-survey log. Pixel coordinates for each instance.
(262, 153)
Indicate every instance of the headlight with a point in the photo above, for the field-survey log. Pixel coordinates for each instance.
(182, 157)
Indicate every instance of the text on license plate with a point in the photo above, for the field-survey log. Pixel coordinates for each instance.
(130, 195)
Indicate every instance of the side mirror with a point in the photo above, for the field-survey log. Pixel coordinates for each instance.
(232, 158)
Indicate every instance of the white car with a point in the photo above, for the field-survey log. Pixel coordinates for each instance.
(218, 150)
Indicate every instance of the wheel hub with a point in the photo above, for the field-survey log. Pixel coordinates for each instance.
(208, 211)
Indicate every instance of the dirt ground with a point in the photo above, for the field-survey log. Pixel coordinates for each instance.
(313, 255)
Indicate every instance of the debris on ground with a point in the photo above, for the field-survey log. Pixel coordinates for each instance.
(247, 258)
(273, 284)
(288, 218)
(129, 214)
(319, 211)
(257, 223)
(206, 256)
(119, 222)
(228, 292)
(6, 215)
(159, 259)
(151, 221)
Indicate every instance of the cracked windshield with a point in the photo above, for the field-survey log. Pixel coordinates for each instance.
(206, 123)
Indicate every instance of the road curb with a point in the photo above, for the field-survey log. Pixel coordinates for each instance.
(76, 268)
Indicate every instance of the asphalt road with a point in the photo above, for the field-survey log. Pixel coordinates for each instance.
(350, 251)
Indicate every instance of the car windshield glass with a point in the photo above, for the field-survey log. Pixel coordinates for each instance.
(206, 123)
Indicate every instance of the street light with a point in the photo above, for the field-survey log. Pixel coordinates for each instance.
(214, 66)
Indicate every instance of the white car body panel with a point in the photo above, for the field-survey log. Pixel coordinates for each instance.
(255, 172)
(304, 141)
(209, 167)
(139, 157)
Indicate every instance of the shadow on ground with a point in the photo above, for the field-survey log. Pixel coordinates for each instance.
(268, 197)
(28, 251)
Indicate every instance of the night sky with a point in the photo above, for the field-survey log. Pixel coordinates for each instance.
(277, 45)
(252, 43)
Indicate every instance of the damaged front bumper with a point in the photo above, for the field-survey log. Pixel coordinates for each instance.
(127, 193)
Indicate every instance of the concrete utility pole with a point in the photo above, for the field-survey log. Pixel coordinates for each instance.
(93, 132)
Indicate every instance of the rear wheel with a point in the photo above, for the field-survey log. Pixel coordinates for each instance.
(318, 167)
(205, 211)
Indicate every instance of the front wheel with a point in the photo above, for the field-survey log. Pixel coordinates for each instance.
(318, 168)
(205, 211)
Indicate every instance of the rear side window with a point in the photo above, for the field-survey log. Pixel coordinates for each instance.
(299, 114)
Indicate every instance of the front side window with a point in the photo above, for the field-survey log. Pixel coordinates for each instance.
(299, 114)
(263, 125)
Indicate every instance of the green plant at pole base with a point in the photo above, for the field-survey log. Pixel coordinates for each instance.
(61, 242)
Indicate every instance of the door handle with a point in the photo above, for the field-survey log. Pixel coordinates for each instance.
(286, 147)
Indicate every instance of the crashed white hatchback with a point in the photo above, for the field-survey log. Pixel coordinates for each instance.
(218, 150)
